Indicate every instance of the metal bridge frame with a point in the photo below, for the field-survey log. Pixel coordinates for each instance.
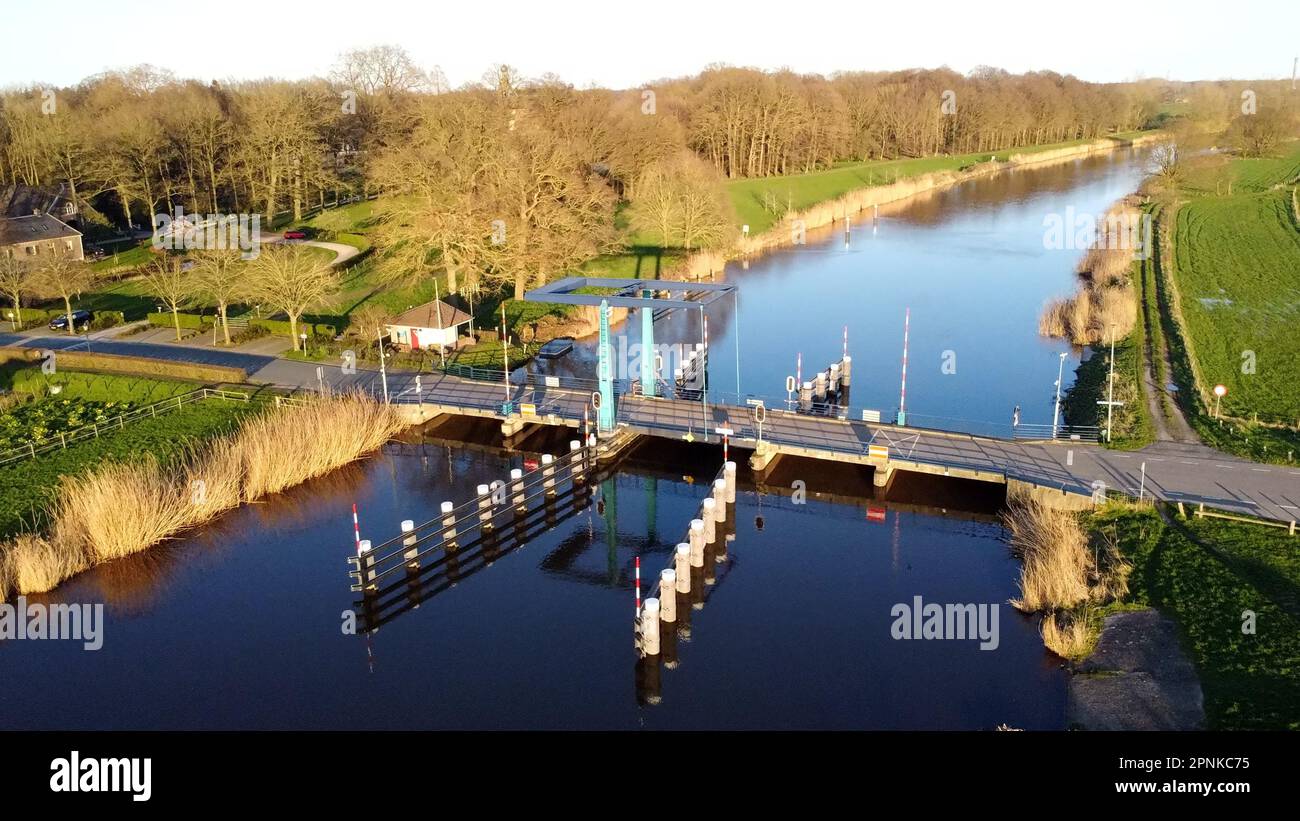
(639, 294)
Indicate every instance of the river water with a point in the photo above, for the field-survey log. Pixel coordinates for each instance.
(970, 262)
(240, 625)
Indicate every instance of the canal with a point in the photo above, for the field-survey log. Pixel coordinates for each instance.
(241, 625)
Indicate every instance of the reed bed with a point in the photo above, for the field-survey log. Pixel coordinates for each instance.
(124, 508)
(1106, 297)
(1055, 562)
(1068, 636)
(1063, 575)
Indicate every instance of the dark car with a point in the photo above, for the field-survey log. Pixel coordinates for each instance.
(80, 320)
(556, 348)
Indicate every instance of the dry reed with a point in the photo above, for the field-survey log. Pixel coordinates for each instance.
(1055, 562)
(124, 508)
(1068, 637)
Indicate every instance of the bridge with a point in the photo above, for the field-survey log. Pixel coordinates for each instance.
(523, 402)
(1170, 472)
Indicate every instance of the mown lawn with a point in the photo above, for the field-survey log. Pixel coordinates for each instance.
(1250, 681)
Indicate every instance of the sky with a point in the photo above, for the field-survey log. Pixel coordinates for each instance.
(621, 45)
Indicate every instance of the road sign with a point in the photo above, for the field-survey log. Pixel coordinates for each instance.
(870, 416)
(552, 381)
(875, 514)
(877, 452)
(724, 431)
(528, 409)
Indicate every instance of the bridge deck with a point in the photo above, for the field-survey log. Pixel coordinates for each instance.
(1174, 473)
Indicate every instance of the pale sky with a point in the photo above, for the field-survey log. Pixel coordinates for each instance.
(620, 44)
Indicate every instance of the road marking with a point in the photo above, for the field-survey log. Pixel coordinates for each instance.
(1124, 455)
(1225, 467)
(1261, 470)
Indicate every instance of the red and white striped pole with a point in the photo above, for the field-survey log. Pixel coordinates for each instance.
(638, 587)
(356, 528)
(846, 341)
(798, 371)
(902, 396)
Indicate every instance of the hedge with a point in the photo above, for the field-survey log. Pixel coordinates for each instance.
(199, 322)
(281, 327)
(129, 365)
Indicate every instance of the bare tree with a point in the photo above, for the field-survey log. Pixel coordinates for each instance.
(221, 276)
(17, 277)
(60, 274)
(291, 279)
(174, 286)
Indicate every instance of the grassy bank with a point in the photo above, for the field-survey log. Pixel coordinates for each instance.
(28, 488)
(125, 507)
(1206, 574)
(761, 202)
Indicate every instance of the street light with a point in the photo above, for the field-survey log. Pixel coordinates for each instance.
(1056, 412)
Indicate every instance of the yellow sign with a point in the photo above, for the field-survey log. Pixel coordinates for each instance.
(528, 409)
(877, 452)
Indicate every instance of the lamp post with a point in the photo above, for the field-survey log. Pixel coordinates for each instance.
(1056, 412)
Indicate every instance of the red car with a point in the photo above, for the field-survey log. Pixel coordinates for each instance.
(294, 235)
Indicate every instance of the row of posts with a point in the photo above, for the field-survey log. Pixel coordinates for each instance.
(830, 384)
(490, 497)
(677, 579)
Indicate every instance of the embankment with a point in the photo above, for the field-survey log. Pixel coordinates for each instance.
(710, 263)
(126, 507)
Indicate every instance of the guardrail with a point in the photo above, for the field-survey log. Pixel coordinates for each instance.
(94, 430)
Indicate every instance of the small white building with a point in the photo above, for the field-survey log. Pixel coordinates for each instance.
(431, 325)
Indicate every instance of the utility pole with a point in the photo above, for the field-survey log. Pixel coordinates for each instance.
(1056, 412)
(383, 370)
(505, 358)
(437, 306)
(1110, 402)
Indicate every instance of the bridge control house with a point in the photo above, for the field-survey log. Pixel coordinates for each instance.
(431, 325)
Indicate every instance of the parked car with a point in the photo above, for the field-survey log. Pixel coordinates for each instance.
(294, 235)
(556, 348)
(80, 321)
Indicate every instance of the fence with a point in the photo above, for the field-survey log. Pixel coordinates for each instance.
(93, 431)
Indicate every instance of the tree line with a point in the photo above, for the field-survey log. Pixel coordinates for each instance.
(511, 180)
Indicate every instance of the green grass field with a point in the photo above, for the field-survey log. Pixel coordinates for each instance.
(1249, 681)
(1237, 260)
(27, 487)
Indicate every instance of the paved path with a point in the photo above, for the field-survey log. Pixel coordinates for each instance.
(1173, 471)
(343, 253)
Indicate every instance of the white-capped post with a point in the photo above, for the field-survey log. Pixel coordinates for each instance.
(682, 559)
(668, 595)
